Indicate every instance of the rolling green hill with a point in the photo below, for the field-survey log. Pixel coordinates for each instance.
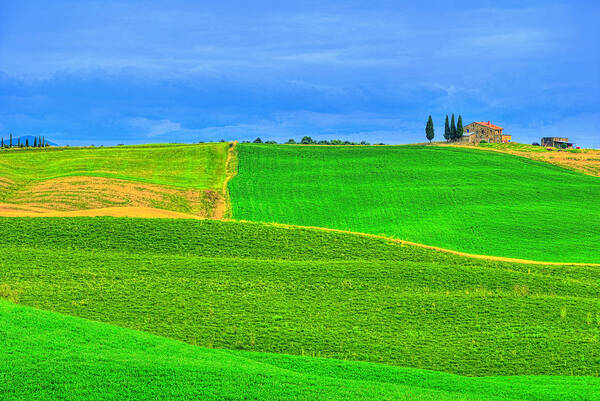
(463, 199)
(183, 178)
(49, 356)
(251, 286)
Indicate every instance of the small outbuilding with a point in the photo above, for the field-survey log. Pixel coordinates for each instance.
(556, 142)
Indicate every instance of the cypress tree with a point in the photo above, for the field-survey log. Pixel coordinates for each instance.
(459, 128)
(2, 142)
(429, 132)
(35, 142)
(11, 140)
(19, 143)
(452, 129)
(44, 141)
(447, 129)
(26, 142)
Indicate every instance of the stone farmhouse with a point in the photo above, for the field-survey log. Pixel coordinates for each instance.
(484, 131)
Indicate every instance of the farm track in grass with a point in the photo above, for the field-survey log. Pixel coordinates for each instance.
(223, 206)
(293, 290)
(134, 365)
(482, 203)
(180, 178)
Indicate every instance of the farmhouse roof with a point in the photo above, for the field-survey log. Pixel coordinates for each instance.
(488, 124)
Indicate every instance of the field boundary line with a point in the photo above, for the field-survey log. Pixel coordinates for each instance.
(150, 213)
(432, 247)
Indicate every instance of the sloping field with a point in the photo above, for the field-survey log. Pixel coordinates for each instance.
(585, 160)
(49, 356)
(180, 178)
(463, 199)
(257, 287)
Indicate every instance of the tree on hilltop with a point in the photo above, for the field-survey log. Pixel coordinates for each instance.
(307, 140)
(258, 140)
(447, 129)
(459, 128)
(452, 129)
(429, 132)
(291, 141)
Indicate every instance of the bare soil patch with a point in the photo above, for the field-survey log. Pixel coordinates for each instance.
(81, 193)
(138, 211)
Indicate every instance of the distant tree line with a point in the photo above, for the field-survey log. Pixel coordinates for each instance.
(452, 131)
(307, 140)
(38, 142)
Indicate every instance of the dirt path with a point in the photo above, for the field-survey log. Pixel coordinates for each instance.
(223, 207)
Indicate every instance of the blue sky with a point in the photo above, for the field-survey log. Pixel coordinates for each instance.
(108, 72)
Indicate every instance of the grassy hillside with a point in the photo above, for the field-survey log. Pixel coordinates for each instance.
(463, 199)
(258, 287)
(49, 356)
(585, 160)
(183, 178)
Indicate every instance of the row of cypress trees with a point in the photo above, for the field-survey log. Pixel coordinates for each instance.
(38, 142)
(452, 132)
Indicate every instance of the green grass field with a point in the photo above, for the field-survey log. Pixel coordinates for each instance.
(174, 177)
(462, 199)
(119, 308)
(46, 355)
(256, 287)
(187, 166)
